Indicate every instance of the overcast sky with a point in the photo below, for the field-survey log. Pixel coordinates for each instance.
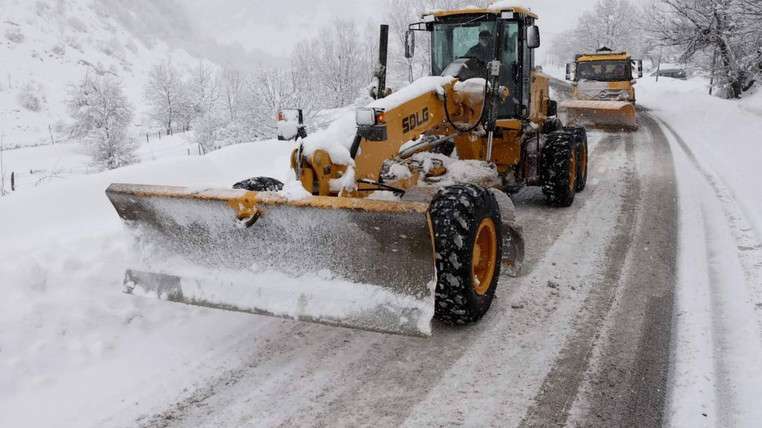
(275, 26)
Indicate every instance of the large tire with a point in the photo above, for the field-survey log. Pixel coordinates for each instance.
(260, 184)
(559, 169)
(467, 230)
(580, 139)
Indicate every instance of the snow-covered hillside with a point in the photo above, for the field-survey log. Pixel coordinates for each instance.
(47, 45)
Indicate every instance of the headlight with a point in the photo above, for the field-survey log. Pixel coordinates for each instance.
(369, 117)
(365, 117)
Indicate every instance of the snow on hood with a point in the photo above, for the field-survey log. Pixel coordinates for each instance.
(412, 91)
(336, 139)
(506, 4)
(472, 89)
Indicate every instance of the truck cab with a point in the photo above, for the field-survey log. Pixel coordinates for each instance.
(604, 76)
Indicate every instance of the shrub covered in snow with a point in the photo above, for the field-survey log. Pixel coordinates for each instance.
(213, 133)
(101, 114)
(59, 49)
(14, 34)
(76, 24)
(31, 96)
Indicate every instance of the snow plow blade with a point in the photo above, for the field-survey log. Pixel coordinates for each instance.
(346, 262)
(601, 114)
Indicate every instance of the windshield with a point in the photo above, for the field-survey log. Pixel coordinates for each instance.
(471, 37)
(458, 40)
(604, 71)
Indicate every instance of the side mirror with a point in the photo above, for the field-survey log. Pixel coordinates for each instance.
(638, 65)
(533, 37)
(409, 44)
(552, 108)
(571, 70)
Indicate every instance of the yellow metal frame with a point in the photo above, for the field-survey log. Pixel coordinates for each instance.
(494, 11)
(484, 256)
(613, 56)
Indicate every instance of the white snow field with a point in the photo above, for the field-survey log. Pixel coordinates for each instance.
(35, 166)
(72, 345)
(716, 378)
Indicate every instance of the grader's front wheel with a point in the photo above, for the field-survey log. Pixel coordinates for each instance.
(467, 230)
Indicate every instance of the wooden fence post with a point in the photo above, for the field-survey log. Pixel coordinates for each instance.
(13, 181)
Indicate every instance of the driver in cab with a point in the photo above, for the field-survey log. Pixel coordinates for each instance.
(485, 49)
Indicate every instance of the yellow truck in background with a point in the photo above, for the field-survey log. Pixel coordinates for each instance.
(603, 92)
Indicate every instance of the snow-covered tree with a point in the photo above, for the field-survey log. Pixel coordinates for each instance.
(335, 63)
(165, 94)
(101, 115)
(727, 30)
(204, 89)
(615, 24)
(232, 87)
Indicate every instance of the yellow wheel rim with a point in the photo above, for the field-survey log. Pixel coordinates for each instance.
(484, 258)
(573, 171)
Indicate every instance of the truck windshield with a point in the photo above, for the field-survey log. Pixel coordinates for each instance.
(604, 71)
(458, 40)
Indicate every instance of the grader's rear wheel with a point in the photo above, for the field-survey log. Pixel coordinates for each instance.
(580, 142)
(559, 169)
(467, 229)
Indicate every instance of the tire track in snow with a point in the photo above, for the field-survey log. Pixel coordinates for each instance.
(626, 380)
(613, 371)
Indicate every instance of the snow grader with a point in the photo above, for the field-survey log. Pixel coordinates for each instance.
(603, 92)
(406, 219)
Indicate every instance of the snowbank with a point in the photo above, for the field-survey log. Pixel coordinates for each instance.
(726, 135)
(716, 378)
(74, 350)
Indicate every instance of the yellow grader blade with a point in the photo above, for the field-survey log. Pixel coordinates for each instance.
(603, 114)
(340, 261)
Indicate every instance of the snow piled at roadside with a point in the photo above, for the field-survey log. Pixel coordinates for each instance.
(716, 376)
(725, 135)
(74, 350)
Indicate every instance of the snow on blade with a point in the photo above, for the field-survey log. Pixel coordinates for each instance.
(317, 297)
